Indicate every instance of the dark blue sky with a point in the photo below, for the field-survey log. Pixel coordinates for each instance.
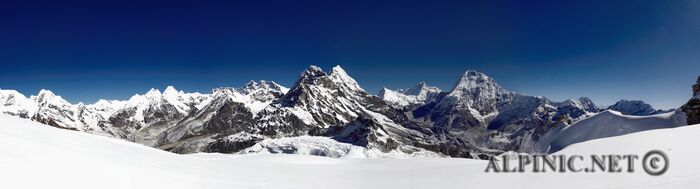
(606, 50)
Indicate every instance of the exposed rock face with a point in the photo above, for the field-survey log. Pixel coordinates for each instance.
(696, 88)
(692, 107)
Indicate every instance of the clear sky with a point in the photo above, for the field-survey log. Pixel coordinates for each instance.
(607, 50)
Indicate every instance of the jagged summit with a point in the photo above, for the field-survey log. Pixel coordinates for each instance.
(15, 103)
(152, 94)
(474, 93)
(46, 92)
(9, 94)
(416, 90)
(263, 84)
(476, 82)
(313, 83)
(338, 75)
(170, 90)
(584, 103)
(588, 104)
(47, 97)
(308, 76)
(338, 70)
(422, 89)
(416, 95)
(312, 71)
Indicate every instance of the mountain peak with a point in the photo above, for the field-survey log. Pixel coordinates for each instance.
(338, 75)
(47, 96)
(251, 83)
(338, 70)
(588, 104)
(418, 94)
(474, 74)
(585, 99)
(170, 90)
(313, 71)
(274, 85)
(263, 84)
(9, 93)
(153, 93)
(421, 89)
(476, 81)
(45, 92)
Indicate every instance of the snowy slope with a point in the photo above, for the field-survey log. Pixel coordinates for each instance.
(612, 123)
(70, 159)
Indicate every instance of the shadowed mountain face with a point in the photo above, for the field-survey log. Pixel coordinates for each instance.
(477, 118)
(692, 107)
(635, 107)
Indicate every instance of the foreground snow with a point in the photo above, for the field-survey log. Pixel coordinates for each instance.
(37, 156)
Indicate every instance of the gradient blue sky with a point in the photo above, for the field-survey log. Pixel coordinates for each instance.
(607, 50)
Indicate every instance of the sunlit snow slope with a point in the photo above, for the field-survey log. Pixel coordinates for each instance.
(37, 156)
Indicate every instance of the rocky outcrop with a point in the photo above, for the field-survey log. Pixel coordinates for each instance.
(696, 88)
(692, 107)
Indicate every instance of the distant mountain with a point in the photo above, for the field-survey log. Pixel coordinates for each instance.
(480, 112)
(16, 104)
(635, 107)
(53, 110)
(576, 108)
(417, 95)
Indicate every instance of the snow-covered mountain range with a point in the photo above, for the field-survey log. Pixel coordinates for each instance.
(477, 118)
